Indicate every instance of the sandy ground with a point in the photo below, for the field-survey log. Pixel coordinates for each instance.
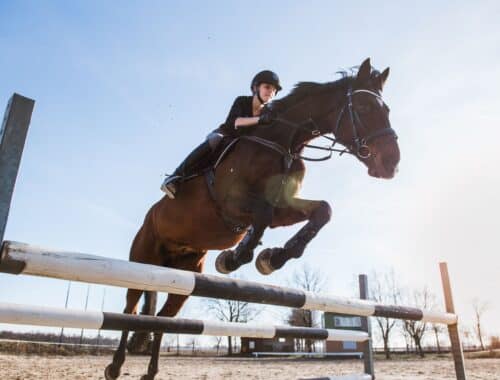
(91, 367)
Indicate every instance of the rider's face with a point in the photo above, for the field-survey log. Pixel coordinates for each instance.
(266, 91)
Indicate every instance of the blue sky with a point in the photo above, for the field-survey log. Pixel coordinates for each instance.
(124, 92)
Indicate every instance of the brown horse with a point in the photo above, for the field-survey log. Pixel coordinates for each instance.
(256, 183)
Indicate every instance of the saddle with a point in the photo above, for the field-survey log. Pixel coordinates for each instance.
(223, 149)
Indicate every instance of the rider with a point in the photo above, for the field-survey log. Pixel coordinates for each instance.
(245, 112)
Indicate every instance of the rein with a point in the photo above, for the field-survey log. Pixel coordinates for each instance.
(359, 143)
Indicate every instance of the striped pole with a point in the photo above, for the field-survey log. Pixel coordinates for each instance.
(21, 258)
(59, 317)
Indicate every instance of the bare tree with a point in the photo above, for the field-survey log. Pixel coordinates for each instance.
(422, 299)
(408, 341)
(232, 311)
(385, 289)
(438, 330)
(169, 341)
(479, 308)
(218, 339)
(466, 333)
(308, 278)
(192, 342)
(311, 280)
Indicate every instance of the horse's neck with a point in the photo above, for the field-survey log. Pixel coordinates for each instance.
(310, 126)
(308, 117)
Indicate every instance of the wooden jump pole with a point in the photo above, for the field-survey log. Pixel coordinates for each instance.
(12, 137)
(456, 345)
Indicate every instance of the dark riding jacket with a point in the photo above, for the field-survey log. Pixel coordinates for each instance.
(242, 107)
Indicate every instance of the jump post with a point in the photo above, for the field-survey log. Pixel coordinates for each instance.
(19, 258)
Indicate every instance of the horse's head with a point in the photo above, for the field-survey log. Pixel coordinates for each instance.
(363, 126)
(351, 108)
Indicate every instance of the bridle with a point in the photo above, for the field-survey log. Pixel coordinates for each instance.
(361, 143)
(358, 145)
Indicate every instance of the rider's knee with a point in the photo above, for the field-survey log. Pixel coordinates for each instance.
(214, 139)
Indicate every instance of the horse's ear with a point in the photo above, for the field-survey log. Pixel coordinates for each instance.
(383, 78)
(364, 71)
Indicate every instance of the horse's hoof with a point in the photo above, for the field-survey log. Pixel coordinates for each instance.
(263, 261)
(147, 377)
(111, 373)
(221, 261)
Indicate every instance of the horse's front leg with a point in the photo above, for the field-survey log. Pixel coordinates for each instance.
(230, 260)
(318, 213)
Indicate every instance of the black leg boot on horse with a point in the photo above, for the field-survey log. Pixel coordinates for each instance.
(230, 260)
(318, 213)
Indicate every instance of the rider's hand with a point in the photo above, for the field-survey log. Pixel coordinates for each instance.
(267, 116)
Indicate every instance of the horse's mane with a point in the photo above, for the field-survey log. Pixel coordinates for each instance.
(304, 89)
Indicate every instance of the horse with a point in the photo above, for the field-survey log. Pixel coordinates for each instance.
(255, 186)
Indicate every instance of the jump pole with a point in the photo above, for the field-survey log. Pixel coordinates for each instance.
(12, 137)
(20, 258)
(456, 345)
(366, 326)
(58, 317)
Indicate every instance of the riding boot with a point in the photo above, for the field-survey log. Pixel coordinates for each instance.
(194, 162)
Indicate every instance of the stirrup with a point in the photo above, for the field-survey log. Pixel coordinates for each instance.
(168, 185)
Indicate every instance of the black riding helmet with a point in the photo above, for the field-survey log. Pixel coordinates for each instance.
(266, 76)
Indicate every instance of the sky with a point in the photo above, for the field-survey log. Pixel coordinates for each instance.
(124, 92)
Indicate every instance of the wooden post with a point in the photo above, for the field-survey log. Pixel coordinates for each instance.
(366, 326)
(456, 345)
(12, 137)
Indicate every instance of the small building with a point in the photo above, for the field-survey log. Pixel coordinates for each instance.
(343, 322)
(251, 345)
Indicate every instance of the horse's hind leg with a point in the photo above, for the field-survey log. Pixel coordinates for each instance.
(229, 260)
(170, 309)
(112, 371)
(145, 249)
(193, 262)
(140, 340)
(317, 212)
